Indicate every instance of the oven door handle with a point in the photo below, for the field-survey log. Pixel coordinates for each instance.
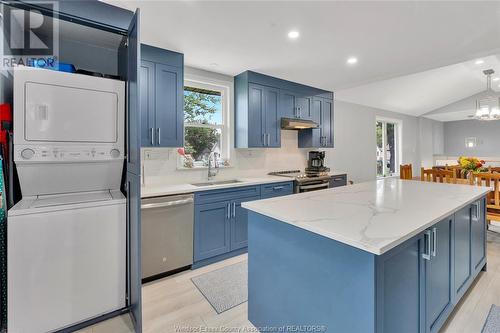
(309, 187)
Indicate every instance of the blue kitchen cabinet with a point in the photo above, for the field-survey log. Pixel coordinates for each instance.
(221, 223)
(462, 250)
(338, 180)
(400, 277)
(438, 275)
(169, 106)
(263, 116)
(295, 105)
(147, 106)
(260, 103)
(162, 98)
(322, 137)
(276, 190)
(272, 119)
(239, 223)
(212, 229)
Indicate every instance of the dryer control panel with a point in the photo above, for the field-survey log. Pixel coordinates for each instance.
(31, 153)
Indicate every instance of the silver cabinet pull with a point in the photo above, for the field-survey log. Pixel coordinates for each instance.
(277, 188)
(263, 139)
(234, 209)
(151, 130)
(268, 139)
(228, 214)
(427, 254)
(159, 135)
(476, 211)
(434, 242)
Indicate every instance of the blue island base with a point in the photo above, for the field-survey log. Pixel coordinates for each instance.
(299, 281)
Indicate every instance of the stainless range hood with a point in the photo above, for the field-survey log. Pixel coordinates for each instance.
(297, 124)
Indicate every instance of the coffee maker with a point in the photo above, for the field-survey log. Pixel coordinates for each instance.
(316, 163)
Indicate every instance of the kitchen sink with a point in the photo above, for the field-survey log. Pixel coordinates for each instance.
(218, 182)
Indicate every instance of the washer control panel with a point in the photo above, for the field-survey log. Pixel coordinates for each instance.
(66, 153)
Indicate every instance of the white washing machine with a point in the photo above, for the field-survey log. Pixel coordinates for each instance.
(67, 236)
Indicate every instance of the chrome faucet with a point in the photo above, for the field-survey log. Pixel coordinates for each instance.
(212, 173)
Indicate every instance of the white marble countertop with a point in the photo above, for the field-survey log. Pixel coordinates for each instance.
(160, 190)
(373, 216)
(149, 191)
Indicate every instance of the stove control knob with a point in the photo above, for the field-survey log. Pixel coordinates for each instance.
(27, 153)
(115, 153)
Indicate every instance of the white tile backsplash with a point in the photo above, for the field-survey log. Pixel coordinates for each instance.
(160, 164)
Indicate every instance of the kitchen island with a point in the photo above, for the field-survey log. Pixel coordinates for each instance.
(383, 256)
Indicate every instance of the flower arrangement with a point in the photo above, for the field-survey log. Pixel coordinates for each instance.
(472, 164)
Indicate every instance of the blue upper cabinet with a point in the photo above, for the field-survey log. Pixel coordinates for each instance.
(162, 98)
(260, 127)
(322, 137)
(261, 101)
(295, 105)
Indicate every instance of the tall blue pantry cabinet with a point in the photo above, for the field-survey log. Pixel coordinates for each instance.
(103, 20)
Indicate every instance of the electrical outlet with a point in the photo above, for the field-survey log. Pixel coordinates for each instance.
(157, 154)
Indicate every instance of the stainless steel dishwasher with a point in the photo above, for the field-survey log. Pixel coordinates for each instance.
(167, 234)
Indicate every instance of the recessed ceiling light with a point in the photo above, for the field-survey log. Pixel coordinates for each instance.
(479, 61)
(496, 78)
(352, 60)
(294, 34)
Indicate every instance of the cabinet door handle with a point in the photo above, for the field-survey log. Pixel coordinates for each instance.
(159, 135)
(476, 211)
(152, 132)
(277, 188)
(234, 209)
(427, 237)
(268, 139)
(228, 212)
(434, 242)
(263, 139)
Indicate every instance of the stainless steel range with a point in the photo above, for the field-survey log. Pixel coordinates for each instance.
(305, 182)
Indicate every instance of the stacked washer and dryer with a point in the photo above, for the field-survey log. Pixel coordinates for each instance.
(67, 236)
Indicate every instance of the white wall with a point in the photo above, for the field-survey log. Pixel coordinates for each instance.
(354, 150)
(487, 134)
(431, 140)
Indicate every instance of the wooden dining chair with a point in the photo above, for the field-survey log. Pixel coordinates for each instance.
(494, 169)
(493, 199)
(438, 175)
(405, 171)
(427, 175)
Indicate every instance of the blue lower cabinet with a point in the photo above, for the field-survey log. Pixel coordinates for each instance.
(276, 190)
(239, 224)
(438, 276)
(400, 281)
(221, 224)
(462, 250)
(211, 229)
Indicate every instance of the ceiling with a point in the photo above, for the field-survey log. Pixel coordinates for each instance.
(434, 92)
(390, 39)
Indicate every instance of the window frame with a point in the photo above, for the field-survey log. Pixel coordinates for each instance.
(399, 145)
(225, 126)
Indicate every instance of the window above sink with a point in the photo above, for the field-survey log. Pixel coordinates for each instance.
(206, 125)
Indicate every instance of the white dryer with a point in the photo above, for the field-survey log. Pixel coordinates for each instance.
(67, 236)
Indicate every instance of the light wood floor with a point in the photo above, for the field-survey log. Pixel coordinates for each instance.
(174, 302)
